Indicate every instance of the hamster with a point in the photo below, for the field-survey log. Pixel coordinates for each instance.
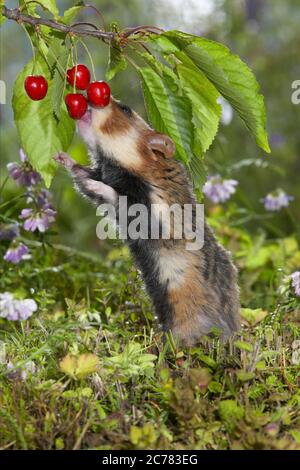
(192, 291)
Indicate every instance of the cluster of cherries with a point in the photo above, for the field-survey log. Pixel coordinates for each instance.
(98, 93)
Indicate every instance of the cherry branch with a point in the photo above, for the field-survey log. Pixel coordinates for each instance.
(16, 14)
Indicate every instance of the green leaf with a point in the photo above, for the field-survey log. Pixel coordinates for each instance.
(227, 72)
(244, 376)
(260, 365)
(206, 111)
(260, 257)
(135, 434)
(29, 9)
(183, 90)
(133, 361)
(70, 13)
(2, 18)
(209, 361)
(41, 136)
(295, 433)
(243, 345)
(253, 316)
(55, 49)
(79, 367)
(59, 82)
(49, 5)
(116, 63)
(58, 88)
(198, 172)
(230, 413)
(169, 112)
(215, 387)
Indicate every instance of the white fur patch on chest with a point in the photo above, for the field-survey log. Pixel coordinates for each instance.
(172, 268)
(122, 147)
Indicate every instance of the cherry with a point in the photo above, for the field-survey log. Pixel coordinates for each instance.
(98, 94)
(83, 76)
(36, 87)
(77, 105)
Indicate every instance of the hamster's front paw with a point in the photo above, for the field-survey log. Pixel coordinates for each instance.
(101, 189)
(64, 159)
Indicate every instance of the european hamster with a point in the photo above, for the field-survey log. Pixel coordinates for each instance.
(193, 291)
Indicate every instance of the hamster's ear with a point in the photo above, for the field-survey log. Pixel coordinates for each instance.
(161, 142)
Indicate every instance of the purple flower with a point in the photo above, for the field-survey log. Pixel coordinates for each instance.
(39, 219)
(296, 282)
(218, 189)
(6, 304)
(41, 197)
(16, 253)
(13, 309)
(28, 368)
(276, 200)
(9, 232)
(23, 172)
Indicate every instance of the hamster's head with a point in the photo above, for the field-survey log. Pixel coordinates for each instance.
(123, 135)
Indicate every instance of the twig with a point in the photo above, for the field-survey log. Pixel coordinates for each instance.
(15, 14)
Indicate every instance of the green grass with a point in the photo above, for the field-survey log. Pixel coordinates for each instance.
(141, 391)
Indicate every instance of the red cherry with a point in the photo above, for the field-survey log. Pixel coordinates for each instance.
(36, 87)
(83, 76)
(77, 105)
(98, 94)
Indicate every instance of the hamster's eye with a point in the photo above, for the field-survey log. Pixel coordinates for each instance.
(125, 109)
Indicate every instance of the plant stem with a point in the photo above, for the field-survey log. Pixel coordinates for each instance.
(57, 62)
(90, 58)
(3, 184)
(6, 203)
(88, 5)
(32, 47)
(76, 65)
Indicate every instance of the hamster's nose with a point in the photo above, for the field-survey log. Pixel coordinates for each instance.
(87, 117)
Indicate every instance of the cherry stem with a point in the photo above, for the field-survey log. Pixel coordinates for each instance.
(32, 47)
(85, 24)
(74, 53)
(90, 58)
(131, 61)
(88, 5)
(146, 48)
(143, 46)
(65, 75)
(57, 61)
(141, 29)
(39, 37)
(21, 8)
(76, 68)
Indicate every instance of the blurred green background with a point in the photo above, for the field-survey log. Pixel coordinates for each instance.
(264, 33)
